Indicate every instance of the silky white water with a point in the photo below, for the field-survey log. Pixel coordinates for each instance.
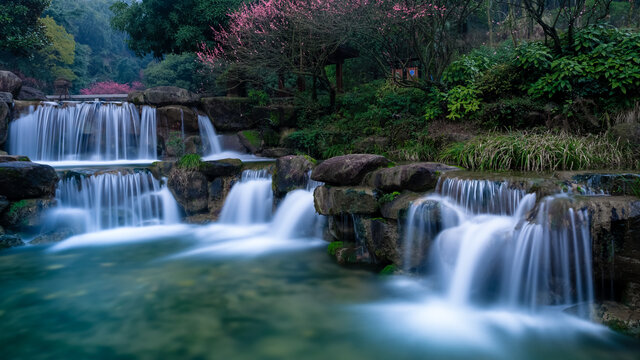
(210, 142)
(88, 131)
(250, 201)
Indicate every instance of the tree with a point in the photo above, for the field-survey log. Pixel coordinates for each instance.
(160, 27)
(554, 15)
(20, 29)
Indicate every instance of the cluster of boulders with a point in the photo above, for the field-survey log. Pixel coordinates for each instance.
(27, 189)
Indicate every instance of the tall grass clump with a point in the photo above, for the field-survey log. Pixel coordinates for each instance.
(189, 162)
(545, 151)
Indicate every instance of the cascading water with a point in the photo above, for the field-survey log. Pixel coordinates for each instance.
(250, 201)
(92, 131)
(111, 200)
(210, 142)
(503, 251)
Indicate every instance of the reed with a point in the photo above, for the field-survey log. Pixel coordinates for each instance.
(538, 151)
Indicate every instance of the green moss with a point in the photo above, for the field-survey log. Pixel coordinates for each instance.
(310, 159)
(17, 206)
(334, 246)
(387, 198)
(189, 162)
(389, 270)
(253, 137)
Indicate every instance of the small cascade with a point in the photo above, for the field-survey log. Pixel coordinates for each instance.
(250, 201)
(311, 184)
(111, 200)
(504, 250)
(296, 217)
(481, 196)
(210, 142)
(85, 131)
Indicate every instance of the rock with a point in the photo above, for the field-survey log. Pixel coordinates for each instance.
(231, 142)
(251, 140)
(4, 123)
(232, 114)
(619, 317)
(160, 169)
(330, 200)
(347, 169)
(190, 190)
(397, 208)
(172, 118)
(10, 158)
(382, 240)
(10, 83)
(413, 177)
(6, 97)
(23, 180)
(4, 203)
(29, 93)
(220, 168)
(219, 188)
(25, 215)
(291, 173)
(169, 95)
(192, 144)
(52, 237)
(371, 143)
(200, 219)
(340, 228)
(276, 152)
(21, 108)
(9, 241)
(136, 97)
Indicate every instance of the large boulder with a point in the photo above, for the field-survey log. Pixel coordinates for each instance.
(220, 168)
(29, 93)
(193, 144)
(136, 97)
(160, 169)
(6, 97)
(331, 200)
(219, 188)
(175, 117)
(10, 82)
(23, 180)
(348, 169)
(397, 208)
(4, 122)
(251, 140)
(190, 190)
(382, 239)
(232, 114)
(291, 173)
(169, 95)
(413, 177)
(26, 214)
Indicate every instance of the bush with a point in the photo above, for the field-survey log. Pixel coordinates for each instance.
(462, 102)
(545, 151)
(498, 82)
(516, 113)
(189, 161)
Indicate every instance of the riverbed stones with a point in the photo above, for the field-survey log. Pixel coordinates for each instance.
(291, 173)
(10, 82)
(23, 180)
(169, 95)
(413, 177)
(348, 169)
(331, 200)
(9, 241)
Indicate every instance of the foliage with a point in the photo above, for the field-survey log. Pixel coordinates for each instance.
(111, 87)
(545, 151)
(20, 29)
(176, 70)
(258, 97)
(160, 27)
(189, 162)
(512, 113)
(462, 102)
(61, 51)
(175, 142)
(387, 198)
(389, 270)
(334, 246)
(498, 82)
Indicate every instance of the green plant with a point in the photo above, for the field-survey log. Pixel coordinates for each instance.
(389, 270)
(498, 82)
(189, 162)
(258, 97)
(175, 143)
(462, 101)
(517, 113)
(544, 151)
(387, 198)
(334, 246)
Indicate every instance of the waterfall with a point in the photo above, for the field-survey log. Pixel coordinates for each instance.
(250, 201)
(111, 200)
(296, 216)
(210, 142)
(85, 131)
(504, 250)
(481, 196)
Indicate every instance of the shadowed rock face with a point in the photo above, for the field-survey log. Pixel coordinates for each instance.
(168, 95)
(23, 180)
(413, 177)
(333, 201)
(347, 169)
(10, 83)
(4, 122)
(290, 174)
(29, 93)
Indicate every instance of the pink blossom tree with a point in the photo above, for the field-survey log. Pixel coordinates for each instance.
(111, 87)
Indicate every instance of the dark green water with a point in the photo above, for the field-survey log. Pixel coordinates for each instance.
(133, 301)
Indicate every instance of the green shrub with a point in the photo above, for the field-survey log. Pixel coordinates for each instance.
(498, 82)
(258, 97)
(545, 151)
(511, 113)
(462, 102)
(334, 246)
(387, 198)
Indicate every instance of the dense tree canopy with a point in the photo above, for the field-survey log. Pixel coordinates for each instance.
(160, 27)
(20, 27)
